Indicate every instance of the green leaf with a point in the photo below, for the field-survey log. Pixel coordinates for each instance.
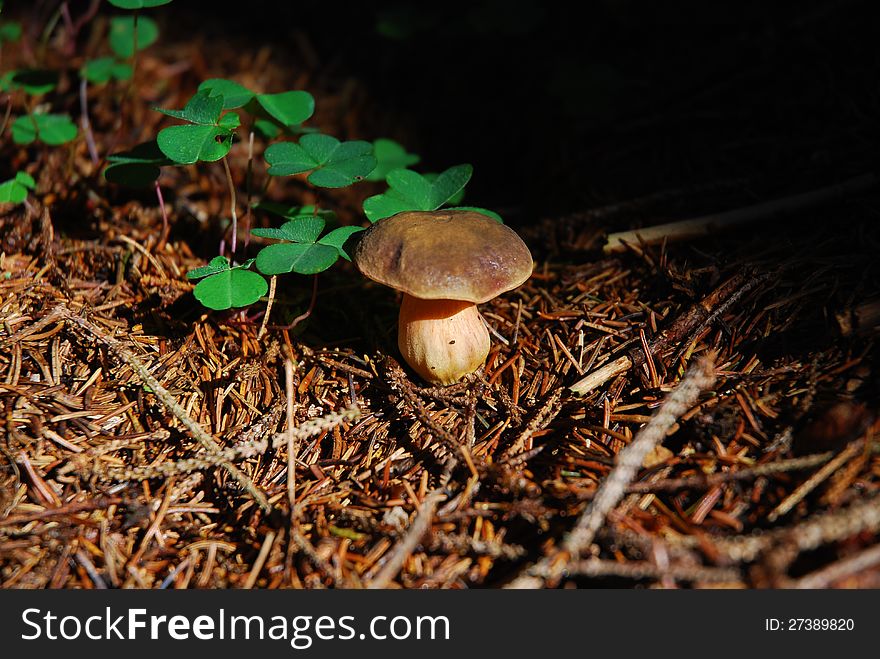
(12, 192)
(235, 287)
(215, 265)
(389, 156)
(334, 164)
(267, 129)
(410, 191)
(303, 229)
(138, 4)
(203, 108)
(190, 144)
(16, 190)
(101, 70)
(484, 211)
(207, 138)
(51, 129)
(138, 167)
(454, 199)
(288, 108)
(302, 258)
(10, 31)
(234, 95)
(338, 237)
(32, 81)
(25, 179)
(122, 34)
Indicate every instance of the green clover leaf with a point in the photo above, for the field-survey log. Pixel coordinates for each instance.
(288, 108)
(138, 167)
(16, 190)
(234, 95)
(101, 70)
(409, 190)
(225, 287)
(333, 164)
(32, 81)
(10, 31)
(122, 34)
(51, 129)
(208, 136)
(138, 4)
(389, 156)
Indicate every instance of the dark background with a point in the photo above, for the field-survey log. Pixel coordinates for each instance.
(560, 110)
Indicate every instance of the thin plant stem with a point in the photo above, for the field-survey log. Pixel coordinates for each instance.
(86, 123)
(6, 114)
(308, 312)
(248, 179)
(165, 226)
(273, 281)
(232, 204)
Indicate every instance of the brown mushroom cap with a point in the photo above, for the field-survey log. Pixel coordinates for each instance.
(446, 254)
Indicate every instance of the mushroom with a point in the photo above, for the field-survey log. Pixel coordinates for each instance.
(445, 263)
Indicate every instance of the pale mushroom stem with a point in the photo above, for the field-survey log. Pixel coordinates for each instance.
(443, 340)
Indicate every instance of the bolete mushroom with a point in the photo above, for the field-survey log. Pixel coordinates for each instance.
(445, 263)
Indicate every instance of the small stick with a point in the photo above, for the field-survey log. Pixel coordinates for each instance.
(291, 447)
(824, 577)
(596, 567)
(699, 377)
(408, 544)
(814, 481)
(261, 560)
(708, 224)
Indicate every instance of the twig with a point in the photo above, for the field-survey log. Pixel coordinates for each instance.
(699, 377)
(261, 560)
(815, 480)
(596, 567)
(410, 541)
(826, 576)
(708, 224)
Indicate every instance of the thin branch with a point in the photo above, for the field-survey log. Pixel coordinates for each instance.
(410, 541)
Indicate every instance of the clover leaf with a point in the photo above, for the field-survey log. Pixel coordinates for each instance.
(138, 167)
(101, 70)
(207, 137)
(31, 81)
(234, 95)
(303, 251)
(288, 108)
(16, 190)
(333, 164)
(283, 110)
(137, 4)
(51, 129)
(122, 31)
(10, 31)
(411, 191)
(389, 156)
(225, 287)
